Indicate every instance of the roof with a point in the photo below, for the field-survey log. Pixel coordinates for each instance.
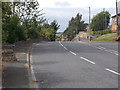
(115, 15)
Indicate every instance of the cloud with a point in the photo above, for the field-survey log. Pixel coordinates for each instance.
(62, 4)
(78, 3)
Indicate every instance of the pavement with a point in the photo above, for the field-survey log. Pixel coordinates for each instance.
(17, 72)
(75, 65)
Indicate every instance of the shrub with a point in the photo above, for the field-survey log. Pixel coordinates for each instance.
(101, 32)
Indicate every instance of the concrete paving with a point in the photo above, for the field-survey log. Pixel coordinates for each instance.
(16, 73)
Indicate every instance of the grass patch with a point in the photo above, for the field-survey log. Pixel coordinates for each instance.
(107, 37)
(58, 35)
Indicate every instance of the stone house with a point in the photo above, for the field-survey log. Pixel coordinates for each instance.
(114, 23)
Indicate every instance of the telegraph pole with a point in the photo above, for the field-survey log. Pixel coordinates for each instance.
(89, 23)
(104, 17)
(117, 18)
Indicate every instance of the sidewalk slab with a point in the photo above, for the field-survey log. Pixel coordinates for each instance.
(16, 74)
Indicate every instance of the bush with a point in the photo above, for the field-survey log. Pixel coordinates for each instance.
(47, 33)
(101, 32)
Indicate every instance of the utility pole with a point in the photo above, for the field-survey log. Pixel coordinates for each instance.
(117, 18)
(89, 23)
(104, 19)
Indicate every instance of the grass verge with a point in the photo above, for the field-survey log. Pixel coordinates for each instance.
(106, 37)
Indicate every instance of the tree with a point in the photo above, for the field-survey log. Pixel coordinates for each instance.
(21, 20)
(47, 33)
(75, 26)
(100, 21)
(6, 13)
(54, 25)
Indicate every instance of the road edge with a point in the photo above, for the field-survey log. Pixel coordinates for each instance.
(32, 78)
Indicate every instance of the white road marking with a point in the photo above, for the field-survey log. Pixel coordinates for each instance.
(112, 71)
(108, 50)
(114, 51)
(73, 53)
(87, 60)
(116, 54)
(61, 45)
(102, 47)
(65, 48)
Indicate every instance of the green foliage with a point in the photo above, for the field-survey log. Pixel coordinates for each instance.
(13, 31)
(21, 20)
(107, 37)
(49, 30)
(119, 27)
(21, 33)
(100, 21)
(75, 26)
(101, 32)
(47, 33)
(58, 35)
(54, 25)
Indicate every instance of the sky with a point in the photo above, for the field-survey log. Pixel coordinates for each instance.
(63, 10)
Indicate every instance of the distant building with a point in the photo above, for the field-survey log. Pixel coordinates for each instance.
(63, 38)
(114, 22)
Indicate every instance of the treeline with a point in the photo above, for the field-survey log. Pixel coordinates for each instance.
(75, 26)
(23, 20)
(99, 25)
(100, 21)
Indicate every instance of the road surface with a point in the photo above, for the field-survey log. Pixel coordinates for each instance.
(75, 65)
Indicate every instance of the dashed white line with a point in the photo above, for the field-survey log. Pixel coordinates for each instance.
(65, 48)
(102, 47)
(110, 51)
(112, 71)
(87, 60)
(61, 45)
(116, 54)
(107, 50)
(73, 53)
(114, 51)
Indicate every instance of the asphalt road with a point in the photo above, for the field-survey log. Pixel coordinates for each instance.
(75, 65)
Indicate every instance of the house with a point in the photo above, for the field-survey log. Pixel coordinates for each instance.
(114, 22)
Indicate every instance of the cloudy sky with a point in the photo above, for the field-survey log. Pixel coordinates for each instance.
(63, 10)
